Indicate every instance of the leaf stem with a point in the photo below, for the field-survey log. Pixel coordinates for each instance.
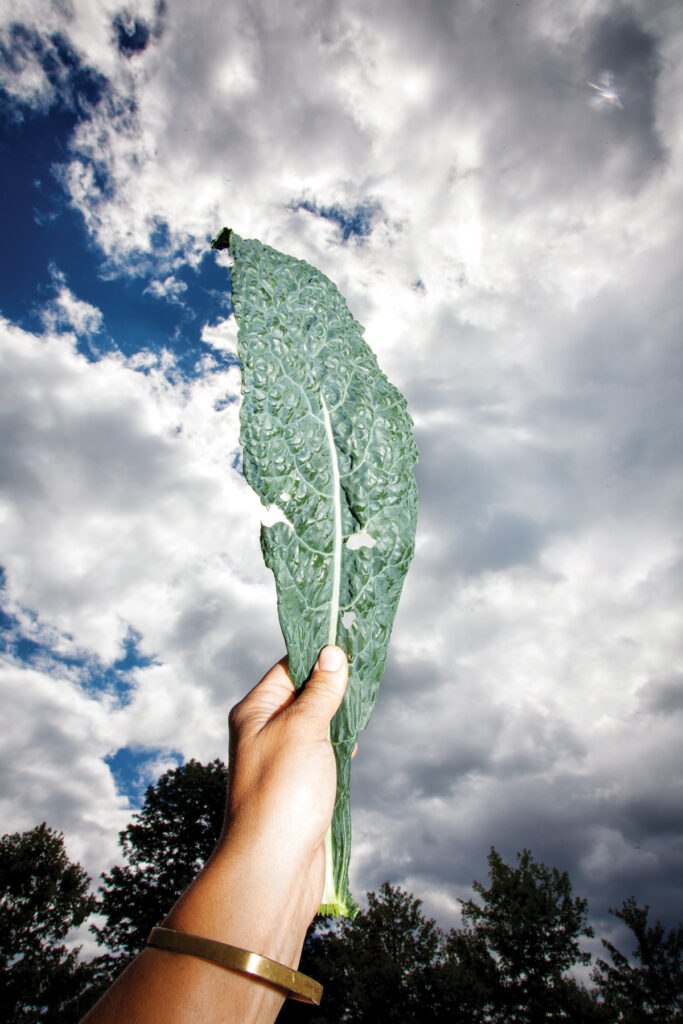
(337, 549)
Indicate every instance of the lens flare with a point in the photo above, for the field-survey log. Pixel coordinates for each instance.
(606, 93)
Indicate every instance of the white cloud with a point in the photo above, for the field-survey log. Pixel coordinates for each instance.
(54, 739)
(121, 510)
(107, 471)
(27, 83)
(222, 336)
(67, 311)
(171, 288)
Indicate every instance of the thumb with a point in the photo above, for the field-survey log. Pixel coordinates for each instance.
(323, 692)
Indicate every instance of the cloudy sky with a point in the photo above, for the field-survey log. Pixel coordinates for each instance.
(496, 188)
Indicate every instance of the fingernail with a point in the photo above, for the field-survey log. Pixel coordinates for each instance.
(330, 659)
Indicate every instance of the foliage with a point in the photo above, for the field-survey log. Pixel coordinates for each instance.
(328, 441)
(652, 989)
(44, 896)
(166, 845)
(522, 940)
(508, 964)
(377, 967)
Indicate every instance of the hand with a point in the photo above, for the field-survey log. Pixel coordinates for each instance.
(282, 775)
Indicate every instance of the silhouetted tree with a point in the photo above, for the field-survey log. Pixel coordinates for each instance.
(508, 963)
(166, 844)
(43, 895)
(377, 968)
(521, 941)
(652, 988)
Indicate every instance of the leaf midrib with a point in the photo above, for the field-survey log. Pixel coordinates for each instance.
(337, 548)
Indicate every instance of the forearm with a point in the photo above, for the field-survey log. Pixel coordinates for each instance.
(262, 886)
(230, 901)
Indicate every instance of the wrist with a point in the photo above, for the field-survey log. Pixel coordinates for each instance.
(240, 900)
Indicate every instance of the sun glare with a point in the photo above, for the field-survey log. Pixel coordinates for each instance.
(606, 93)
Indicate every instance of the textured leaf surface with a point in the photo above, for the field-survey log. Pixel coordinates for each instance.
(328, 440)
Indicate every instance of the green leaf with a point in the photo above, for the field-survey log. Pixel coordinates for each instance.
(328, 441)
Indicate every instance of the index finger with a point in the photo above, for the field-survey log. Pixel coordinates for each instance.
(265, 701)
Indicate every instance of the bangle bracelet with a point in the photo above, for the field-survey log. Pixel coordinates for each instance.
(296, 985)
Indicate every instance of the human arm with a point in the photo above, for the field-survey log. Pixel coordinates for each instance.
(262, 885)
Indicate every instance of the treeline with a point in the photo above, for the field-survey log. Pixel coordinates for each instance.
(510, 962)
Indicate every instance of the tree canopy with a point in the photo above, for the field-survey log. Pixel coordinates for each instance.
(166, 844)
(510, 960)
(524, 937)
(43, 896)
(651, 989)
(508, 963)
(378, 966)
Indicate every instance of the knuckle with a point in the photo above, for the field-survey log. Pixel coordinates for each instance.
(236, 717)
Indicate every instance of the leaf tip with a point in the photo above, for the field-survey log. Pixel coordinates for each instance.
(222, 239)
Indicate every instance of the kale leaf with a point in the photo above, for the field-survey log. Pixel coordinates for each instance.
(327, 439)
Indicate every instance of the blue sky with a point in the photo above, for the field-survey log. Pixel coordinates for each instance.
(44, 235)
(45, 245)
(496, 191)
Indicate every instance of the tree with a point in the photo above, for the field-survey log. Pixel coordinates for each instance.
(467, 978)
(376, 968)
(653, 989)
(167, 843)
(521, 942)
(43, 896)
(508, 964)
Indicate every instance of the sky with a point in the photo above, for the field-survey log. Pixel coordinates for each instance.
(496, 189)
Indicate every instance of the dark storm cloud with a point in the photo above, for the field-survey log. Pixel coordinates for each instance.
(621, 46)
(530, 91)
(495, 492)
(469, 513)
(612, 844)
(662, 696)
(622, 369)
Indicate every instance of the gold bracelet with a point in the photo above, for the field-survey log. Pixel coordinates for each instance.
(296, 985)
